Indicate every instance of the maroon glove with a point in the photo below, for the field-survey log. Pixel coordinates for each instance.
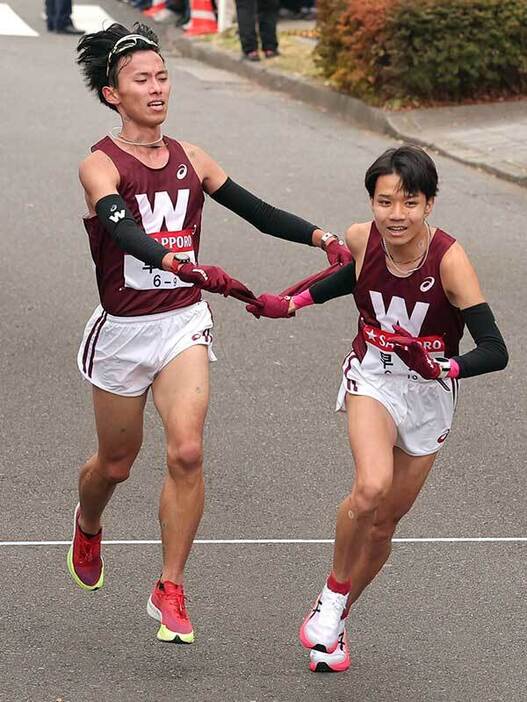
(273, 306)
(211, 278)
(338, 252)
(242, 292)
(415, 357)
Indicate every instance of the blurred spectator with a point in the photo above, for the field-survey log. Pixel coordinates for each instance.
(266, 13)
(58, 17)
(298, 9)
(174, 10)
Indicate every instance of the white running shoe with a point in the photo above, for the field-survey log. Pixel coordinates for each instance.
(320, 630)
(336, 662)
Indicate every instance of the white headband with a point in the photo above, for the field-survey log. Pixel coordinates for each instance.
(127, 42)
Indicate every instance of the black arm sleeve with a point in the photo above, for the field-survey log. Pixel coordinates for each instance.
(342, 282)
(119, 222)
(490, 353)
(265, 217)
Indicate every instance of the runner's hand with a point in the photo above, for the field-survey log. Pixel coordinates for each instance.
(415, 357)
(273, 306)
(211, 278)
(338, 252)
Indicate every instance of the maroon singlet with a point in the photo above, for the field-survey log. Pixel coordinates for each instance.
(167, 203)
(418, 303)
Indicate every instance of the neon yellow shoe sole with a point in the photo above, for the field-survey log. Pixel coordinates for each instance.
(165, 634)
(77, 580)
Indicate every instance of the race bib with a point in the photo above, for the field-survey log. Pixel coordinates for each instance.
(140, 276)
(382, 340)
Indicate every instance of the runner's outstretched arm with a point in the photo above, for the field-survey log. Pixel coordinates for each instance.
(334, 282)
(266, 218)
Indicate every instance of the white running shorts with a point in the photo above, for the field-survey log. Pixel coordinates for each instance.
(123, 355)
(422, 410)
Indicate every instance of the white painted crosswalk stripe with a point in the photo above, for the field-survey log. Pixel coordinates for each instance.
(13, 25)
(91, 18)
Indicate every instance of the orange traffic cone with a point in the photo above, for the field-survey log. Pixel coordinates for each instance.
(202, 18)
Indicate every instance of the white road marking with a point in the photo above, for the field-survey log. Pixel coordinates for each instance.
(13, 25)
(90, 18)
(425, 540)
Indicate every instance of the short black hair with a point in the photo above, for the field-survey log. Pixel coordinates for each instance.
(94, 49)
(412, 164)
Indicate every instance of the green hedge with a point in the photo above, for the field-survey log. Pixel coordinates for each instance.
(422, 51)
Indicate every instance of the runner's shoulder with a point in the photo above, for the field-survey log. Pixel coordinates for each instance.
(454, 256)
(357, 238)
(193, 151)
(97, 165)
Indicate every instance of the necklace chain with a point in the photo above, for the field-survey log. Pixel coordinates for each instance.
(423, 258)
(153, 144)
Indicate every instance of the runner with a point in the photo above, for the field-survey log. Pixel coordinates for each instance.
(415, 289)
(145, 194)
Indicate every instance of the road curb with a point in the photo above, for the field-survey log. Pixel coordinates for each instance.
(323, 97)
(302, 89)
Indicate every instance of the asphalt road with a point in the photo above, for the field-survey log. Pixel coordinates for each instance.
(444, 621)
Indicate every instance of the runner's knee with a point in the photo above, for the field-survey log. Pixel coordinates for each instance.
(185, 457)
(116, 468)
(367, 496)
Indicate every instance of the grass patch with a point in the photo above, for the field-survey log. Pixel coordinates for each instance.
(296, 52)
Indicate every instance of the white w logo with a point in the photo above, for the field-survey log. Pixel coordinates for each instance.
(116, 216)
(397, 313)
(163, 211)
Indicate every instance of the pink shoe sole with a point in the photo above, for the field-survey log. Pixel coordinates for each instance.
(306, 643)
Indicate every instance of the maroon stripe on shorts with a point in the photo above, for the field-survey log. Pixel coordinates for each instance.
(87, 345)
(92, 355)
(346, 366)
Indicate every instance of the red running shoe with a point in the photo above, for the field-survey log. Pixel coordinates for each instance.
(167, 605)
(85, 564)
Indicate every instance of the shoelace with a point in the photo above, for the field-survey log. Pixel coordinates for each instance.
(87, 551)
(334, 607)
(177, 599)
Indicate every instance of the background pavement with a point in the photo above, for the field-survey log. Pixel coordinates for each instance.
(444, 622)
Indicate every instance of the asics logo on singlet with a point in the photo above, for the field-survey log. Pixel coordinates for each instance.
(181, 172)
(427, 284)
(116, 216)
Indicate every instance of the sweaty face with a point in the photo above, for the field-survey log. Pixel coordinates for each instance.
(143, 88)
(399, 216)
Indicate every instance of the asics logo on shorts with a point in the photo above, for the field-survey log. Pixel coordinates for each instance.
(443, 436)
(206, 334)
